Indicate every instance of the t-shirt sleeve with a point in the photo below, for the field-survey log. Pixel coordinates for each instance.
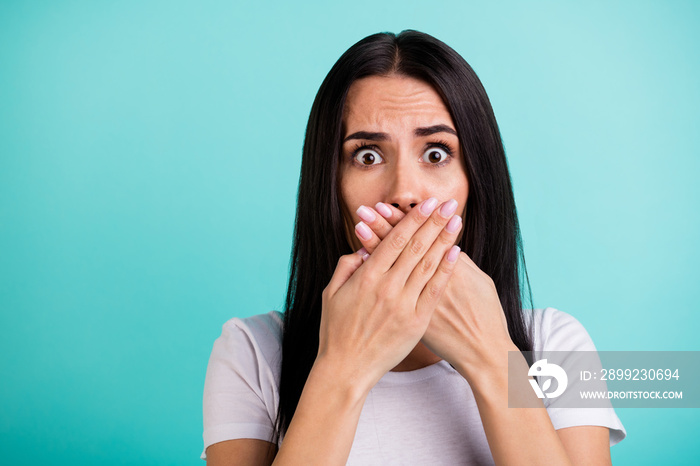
(240, 389)
(558, 331)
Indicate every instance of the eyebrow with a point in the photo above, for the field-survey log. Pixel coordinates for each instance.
(428, 130)
(419, 132)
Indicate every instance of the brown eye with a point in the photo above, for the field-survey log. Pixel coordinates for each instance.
(368, 157)
(435, 155)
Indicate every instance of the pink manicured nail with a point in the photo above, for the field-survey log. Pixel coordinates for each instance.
(363, 231)
(363, 252)
(383, 209)
(448, 208)
(365, 214)
(428, 206)
(453, 254)
(454, 224)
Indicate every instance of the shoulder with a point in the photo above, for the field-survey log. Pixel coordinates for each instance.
(240, 389)
(555, 330)
(259, 335)
(263, 328)
(249, 349)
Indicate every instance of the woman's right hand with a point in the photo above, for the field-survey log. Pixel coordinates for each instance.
(375, 312)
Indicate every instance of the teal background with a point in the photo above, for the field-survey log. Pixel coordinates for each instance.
(149, 158)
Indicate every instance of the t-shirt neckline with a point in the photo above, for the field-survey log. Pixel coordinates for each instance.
(404, 377)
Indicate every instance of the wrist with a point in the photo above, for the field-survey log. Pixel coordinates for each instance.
(346, 381)
(487, 371)
(325, 420)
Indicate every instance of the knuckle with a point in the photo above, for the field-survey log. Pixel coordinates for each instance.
(445, 240)
(434, 291)
(445, 268)
(369, 277)
(398, 241)
(416, 246)
(419, 218)
(437, 220)
(426, 265)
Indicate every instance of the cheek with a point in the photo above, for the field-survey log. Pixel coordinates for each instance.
(455, 187)
(349, 199)
(349, 204)
(356, 191)
(463, 195)
(459, 187)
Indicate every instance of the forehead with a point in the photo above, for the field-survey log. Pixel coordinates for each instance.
(382, 102)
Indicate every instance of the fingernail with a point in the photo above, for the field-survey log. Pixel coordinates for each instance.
(448, 208)
(428, 206)
(453, 254)
(365, 214)
(363, 252)
(454, 224)
(364, 231)
(383, 209)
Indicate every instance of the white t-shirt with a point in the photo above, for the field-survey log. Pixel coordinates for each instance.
(426, 416)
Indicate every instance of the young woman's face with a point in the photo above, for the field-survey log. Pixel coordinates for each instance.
(399, 147)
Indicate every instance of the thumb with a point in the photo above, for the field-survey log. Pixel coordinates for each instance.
(347, 265)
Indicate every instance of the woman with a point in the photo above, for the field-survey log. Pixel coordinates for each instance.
(398, 354)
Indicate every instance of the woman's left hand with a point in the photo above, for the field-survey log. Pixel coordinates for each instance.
(468, 328)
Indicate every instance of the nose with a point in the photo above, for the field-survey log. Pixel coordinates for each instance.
(405, 187)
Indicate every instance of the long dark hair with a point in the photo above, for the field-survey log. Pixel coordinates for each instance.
(491, 233)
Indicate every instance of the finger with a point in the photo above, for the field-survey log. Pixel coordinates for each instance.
(422, 240)
(428, 264)
(347, 265)
(400, 236)
(389, 212)
(376, 223)
(380, 220)
(431, 293)
(367, 237)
